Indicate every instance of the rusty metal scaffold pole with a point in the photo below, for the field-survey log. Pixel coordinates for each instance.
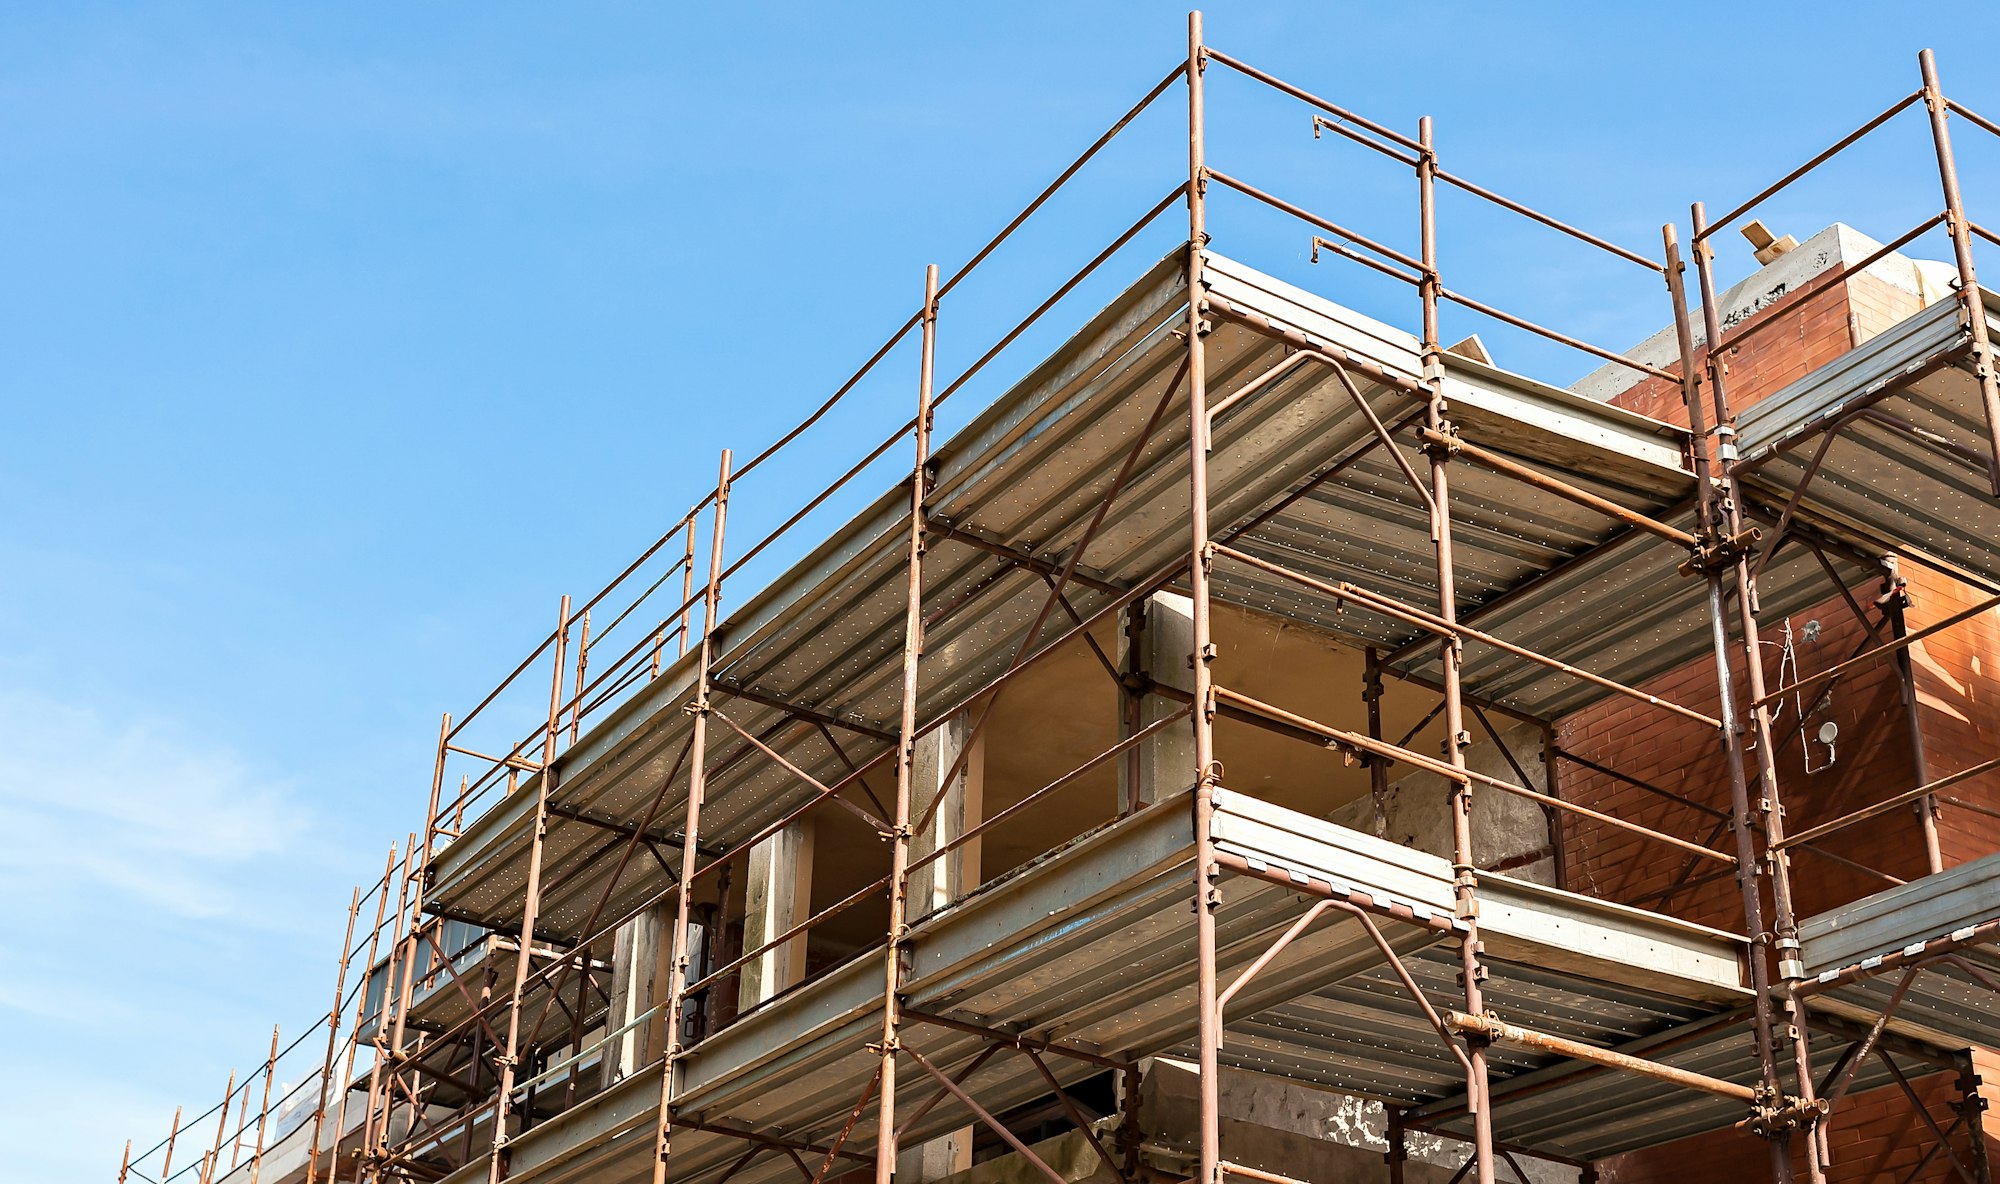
(400, 979)
(1726, 533)
(1972, 308)
(1742, 825)
(221, 1128)
(264, 1114)
(380, 1076)
(530, 906)
(895, 952)
(361, 1014)
(1207, 875)
(332, 1047)
(677, 972)
(1451, 652)
(174, 1134)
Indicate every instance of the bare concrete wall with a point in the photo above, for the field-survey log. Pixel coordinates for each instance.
(1509, 833)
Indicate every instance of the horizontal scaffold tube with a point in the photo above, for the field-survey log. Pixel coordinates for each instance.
(1563, 489)
(1905, 798)
(1903, 642)
(1499, 1031)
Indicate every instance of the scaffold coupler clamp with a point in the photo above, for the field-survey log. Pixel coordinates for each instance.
(1465, 883)
(1480, 973)
(1725, 443)
(1442, 444)
(1791, 967)
(1716, 551)
(1779, 1114)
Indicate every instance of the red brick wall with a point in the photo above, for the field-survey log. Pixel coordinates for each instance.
(1816, 331)
(1958, 692)
(1874, 1136)
(1871, 754)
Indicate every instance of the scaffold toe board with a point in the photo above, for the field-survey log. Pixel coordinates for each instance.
(1590, 1112)
(1942, 932)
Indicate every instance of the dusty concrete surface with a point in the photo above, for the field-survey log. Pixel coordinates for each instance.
(1511, 834)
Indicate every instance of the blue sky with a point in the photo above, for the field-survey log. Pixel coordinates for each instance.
(339, 341)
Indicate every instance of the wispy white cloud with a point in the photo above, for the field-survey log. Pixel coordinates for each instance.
(58, 1137)
(159, 882)
(136, 807)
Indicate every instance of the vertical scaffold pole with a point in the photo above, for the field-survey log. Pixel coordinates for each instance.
(1206, 873)
(677, 972)
(332, 1045)
(264, 1111)
(583, 669)
(687, 594)
(417, 862)
(360, 1014)
(222, 1119)
(1742, 824)
(886, 1145)
(1894, 603)
(432, 813)
(1971, 1108)
(1972, 310)
(380, 1071)
(1472, 971)
(1727, 524)
(173, 1133)
(1552, 785)
(242, 1123)
(1378, 769)
(496, 1168)
(1399, 1152)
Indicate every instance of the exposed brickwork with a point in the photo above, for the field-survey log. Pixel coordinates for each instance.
(1815, 331)
(1875, 1136)
(1958, 689)
(1870, 759)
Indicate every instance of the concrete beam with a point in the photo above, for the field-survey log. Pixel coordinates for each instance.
(640, 953)
(1162, 651)
(957, 872)
(777, 895)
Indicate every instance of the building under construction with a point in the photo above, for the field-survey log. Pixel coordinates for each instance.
(1261, 742)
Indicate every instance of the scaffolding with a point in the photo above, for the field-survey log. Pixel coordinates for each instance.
(1223, 438)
